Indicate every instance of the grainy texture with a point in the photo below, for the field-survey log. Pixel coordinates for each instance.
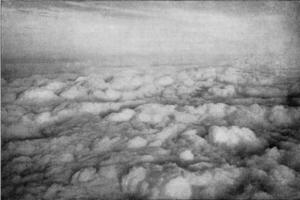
(150, 134)
(154, 100)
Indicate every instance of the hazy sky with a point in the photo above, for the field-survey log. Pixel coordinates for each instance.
(84, 30)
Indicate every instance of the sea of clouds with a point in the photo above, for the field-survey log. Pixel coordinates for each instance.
(150, 133)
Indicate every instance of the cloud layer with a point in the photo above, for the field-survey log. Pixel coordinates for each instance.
(180, 133)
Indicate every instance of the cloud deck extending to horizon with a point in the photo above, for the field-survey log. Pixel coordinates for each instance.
(154, 100)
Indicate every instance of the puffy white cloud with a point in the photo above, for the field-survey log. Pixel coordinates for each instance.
(75, 92)
(124, 115)
(233, 137)
(137, 142)
(281, 116)
(109, 172)
(282, 175)
(155, 113)
(186, 155)
(44, 117)
(38, 95)
(178, 188)
(55, 86)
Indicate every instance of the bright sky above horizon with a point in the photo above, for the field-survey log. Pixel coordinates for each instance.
(63, 29)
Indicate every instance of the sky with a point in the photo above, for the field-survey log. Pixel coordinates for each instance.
(83, 30)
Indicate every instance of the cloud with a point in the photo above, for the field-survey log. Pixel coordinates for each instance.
(152, 133)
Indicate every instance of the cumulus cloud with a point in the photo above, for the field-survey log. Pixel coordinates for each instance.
(281, 116)
(38, 95)
(137, 142)
(233, 137)
(155, 113)
(124, 115)
(74, 92)
(181, 133)
(178, 188)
